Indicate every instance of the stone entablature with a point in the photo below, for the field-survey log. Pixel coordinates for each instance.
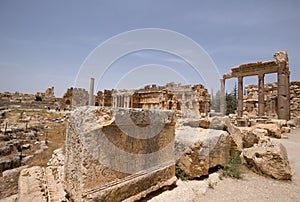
(279, 66)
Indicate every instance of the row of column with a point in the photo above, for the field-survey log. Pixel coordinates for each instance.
(283, 95)
(261, 92)
(122, 101)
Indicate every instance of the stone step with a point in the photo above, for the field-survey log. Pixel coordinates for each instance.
(38, 184)
(32, 185)
(55, 189)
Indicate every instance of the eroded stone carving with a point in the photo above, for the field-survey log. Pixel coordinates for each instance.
(105, 161)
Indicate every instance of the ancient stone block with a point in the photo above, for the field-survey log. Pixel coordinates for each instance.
(273, 129)
(120, 154)
(269, 159)
(198, 149)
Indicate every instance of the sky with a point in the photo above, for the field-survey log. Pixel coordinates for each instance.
(48, 43)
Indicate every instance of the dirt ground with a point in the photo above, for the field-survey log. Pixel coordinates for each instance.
(254, 187)
(55, 139)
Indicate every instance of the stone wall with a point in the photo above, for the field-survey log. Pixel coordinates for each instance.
(49, 93)
(270, 98)
(177, 97)
(113, 155)
(26, 101)
(75, 97)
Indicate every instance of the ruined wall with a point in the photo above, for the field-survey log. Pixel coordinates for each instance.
(99, 99)
(26, 101)
(270, 98)
(48, 94)
(120, 154)
(177, 97)
(295, 99)
(75, 97)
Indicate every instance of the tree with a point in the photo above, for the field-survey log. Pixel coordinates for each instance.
(231, 101)
(38, 98)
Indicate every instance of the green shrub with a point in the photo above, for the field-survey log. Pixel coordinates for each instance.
(180, 174)
(38, 98)
(233, 166)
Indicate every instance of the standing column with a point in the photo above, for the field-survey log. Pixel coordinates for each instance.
(206, 109)
(222, 97)
(261, 94)
(240, 97)
(91, 95)
(283, 92)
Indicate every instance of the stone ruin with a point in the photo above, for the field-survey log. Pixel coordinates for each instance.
(49, 93)
(117, 155)
(74, 97)
(176, 97)
(279, 66)
(123, 153)
(270, 100)
(28, 101)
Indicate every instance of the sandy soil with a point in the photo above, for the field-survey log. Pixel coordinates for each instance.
(258, 188)
(252, 187)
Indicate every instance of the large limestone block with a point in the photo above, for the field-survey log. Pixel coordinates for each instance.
(273, 129)
(250, 136)
(198, 149)
(269, 159)
(234, 132)
(118, 154)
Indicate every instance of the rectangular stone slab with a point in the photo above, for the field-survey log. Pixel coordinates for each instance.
(118, 154)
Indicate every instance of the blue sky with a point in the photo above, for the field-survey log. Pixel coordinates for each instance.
(44, 43)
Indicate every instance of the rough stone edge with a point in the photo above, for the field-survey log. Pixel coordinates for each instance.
(144, 193)
(162, 183)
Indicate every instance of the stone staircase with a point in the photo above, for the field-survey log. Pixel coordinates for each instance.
(39, 184)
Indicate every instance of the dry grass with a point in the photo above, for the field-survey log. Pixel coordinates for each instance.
(55, 138)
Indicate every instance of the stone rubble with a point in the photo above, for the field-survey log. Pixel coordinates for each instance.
(197, 150)
(268, 158)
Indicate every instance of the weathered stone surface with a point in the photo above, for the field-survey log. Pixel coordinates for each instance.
(204, 123)
(234, 132)
(5, 137)
(31, 185)
(259, 132)
(279, 122)
(285, 129)
(25, 146)
(273, 129)
(297, 119)
(217, 123)
(250, 137)
(10, 164)
(198, 150)
(291, 123)
(191, 122)
(56, 164)
(6, 150)
(269, 159)
(118, 155)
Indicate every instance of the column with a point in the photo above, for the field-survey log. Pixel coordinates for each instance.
(240, 96)
(222, 97)
(91, 95)
(283, 92)
(206, 109)
(261, 94)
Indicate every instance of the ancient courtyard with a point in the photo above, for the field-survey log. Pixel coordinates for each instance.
(156, 143)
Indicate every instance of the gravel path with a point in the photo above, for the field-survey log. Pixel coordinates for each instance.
(258, 188)
(251, 187)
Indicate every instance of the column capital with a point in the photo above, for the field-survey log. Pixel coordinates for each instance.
(261, 76)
